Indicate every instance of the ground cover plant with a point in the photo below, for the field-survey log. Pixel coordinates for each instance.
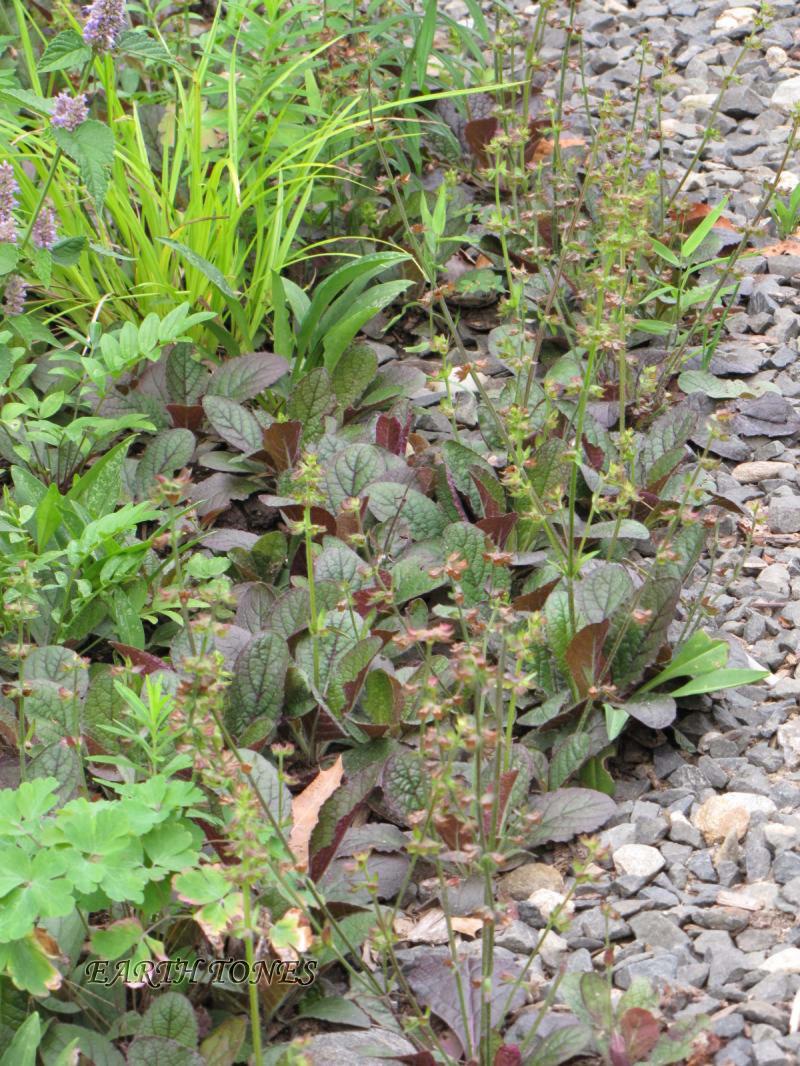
(293, 669)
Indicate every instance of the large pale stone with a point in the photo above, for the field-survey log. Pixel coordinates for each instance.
(520, 883)
(786, 961)
(638, 860)
(720, 814)
(787, 94)
(761, 470)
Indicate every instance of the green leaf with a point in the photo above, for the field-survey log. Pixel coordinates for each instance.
(378, 698)
(93, 1046)
(257, 687)
(116, 939)
(616, 720)
(208, 270)
(9, 257)
(405, 785)
(424, 43)
(67, 251)
(334, 1009)
(186, 376)
(147, 1050)
(99, 489)
(388, 499)
(91, 146)
(593, 774)
(234, 423)
(311, 398)
(362, 309)
(271, 787)
(48, 517)
(66, 51)
(654, 711)
(700, 654)
(718, 389)
(698, 235)
(29, 968)
(561, 1045)
(567, 759)
(222, 1047)
(141, 45)
(351, 471)
(22, 1049)
(602, 591)
(481, 578)
(167, 453)
(246, 376)
(460, 461)
(354, 373)
(627, 529)
(172, 1016)
(718, 680)
(42, 263)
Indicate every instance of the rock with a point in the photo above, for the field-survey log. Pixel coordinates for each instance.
(784, 961)
(518, 937)
(718, 815)
(530, 877)
(786, 867)
(736, 22)
(368, 1047)
(655, 930)
(638, 860)
(775, 578)
(552, 949)
(740, 102)
(541, 904)
(752, 473)
(787, 94)
(784, 514)
(789, 740)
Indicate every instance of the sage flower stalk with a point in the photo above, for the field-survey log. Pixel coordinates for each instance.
(69, 111)
(105, 21)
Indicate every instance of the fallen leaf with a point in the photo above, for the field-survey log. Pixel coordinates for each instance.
(788, 247)
(431, 928)
(690, 218)
(306, 807)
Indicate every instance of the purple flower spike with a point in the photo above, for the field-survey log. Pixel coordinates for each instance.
(105, 21)
(8, 190)
(14, 303)
(8, 230)
(69, 111)
(44, 229)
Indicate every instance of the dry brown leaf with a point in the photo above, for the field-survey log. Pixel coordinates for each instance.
(788, 247)
(431, 928)
(306, 807)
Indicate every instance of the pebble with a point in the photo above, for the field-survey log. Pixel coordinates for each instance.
(719, 814)
(530, 877)
(785, 961)
(638, 860)
(754, 472)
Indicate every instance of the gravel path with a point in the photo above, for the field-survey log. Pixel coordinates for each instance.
(703, 870)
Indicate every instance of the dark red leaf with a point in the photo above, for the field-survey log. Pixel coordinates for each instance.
(281, 444)
(389, 434)
(584, 656)
(508, 1055)
(143, 660)
(534, 601)
(594, 455)
(491, 508)
(319, 516)
(640, 1031)
(498, 528)
(186, 415)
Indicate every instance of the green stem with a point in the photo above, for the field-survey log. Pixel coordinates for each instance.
(252, 986)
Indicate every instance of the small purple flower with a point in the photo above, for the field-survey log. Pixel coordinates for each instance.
(105, 21)
(44, 229)
(8, 230)
(14, 303)
(8, 190)
(69, 111)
